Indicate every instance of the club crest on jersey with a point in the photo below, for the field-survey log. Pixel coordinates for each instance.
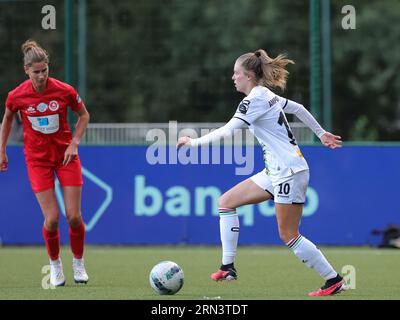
(53, 105)
(42, 107)
(244, 106)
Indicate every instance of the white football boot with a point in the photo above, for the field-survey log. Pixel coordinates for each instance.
(80, 275)
(57, 278)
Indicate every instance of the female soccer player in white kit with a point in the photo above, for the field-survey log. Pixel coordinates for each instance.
(286, 174)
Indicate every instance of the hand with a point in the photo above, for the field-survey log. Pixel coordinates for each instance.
(183, 141)
(3, 162)
(331, 141)
(71, 153)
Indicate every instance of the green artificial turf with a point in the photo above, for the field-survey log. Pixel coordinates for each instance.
(264, 273)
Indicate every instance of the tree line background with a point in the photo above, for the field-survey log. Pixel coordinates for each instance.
(161, 60)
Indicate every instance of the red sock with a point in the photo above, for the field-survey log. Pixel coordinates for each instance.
(77, 240)
(52, 241)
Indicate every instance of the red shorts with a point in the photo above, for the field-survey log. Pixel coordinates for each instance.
(42, 176)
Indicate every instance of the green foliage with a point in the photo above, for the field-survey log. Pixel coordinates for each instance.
(362, 132)
(155, 61)
(365, 71)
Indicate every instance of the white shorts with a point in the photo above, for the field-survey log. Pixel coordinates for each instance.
(289, 190)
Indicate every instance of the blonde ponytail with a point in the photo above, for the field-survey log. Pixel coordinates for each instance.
(269, 72)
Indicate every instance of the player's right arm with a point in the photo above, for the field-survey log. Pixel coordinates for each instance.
(227, 130)
(4, 134)
(248, 111)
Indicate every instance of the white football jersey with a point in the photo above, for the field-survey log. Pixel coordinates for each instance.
(262, 111)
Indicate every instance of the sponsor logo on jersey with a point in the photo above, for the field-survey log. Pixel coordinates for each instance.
(42, 107)
(78, 98)
(46, 124)
(244, 106)
(53, 105)
(31, 109)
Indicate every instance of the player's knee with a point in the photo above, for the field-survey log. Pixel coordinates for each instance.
(51, 224)
(74, 221)
(287, 235)
(223, 202)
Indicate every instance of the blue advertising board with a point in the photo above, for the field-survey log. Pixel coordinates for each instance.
(129, 199)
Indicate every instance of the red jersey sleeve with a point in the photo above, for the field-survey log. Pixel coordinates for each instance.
(9, 103)
(75, 100)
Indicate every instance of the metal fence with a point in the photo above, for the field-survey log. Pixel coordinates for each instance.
(147, 133)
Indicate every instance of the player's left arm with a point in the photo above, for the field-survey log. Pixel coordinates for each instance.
(327, 139)
(80, 127)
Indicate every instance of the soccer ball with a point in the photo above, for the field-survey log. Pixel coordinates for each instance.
(166, 277)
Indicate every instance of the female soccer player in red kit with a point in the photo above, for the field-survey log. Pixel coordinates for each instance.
(49, 149)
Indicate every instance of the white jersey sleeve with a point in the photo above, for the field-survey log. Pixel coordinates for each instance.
(227, 130)
(304, 115)
(250, 109)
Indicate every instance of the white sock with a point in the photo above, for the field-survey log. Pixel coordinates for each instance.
(229, 229)
(309, 254)
(55, 262)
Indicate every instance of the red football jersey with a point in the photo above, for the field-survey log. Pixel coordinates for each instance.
(44, 118)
